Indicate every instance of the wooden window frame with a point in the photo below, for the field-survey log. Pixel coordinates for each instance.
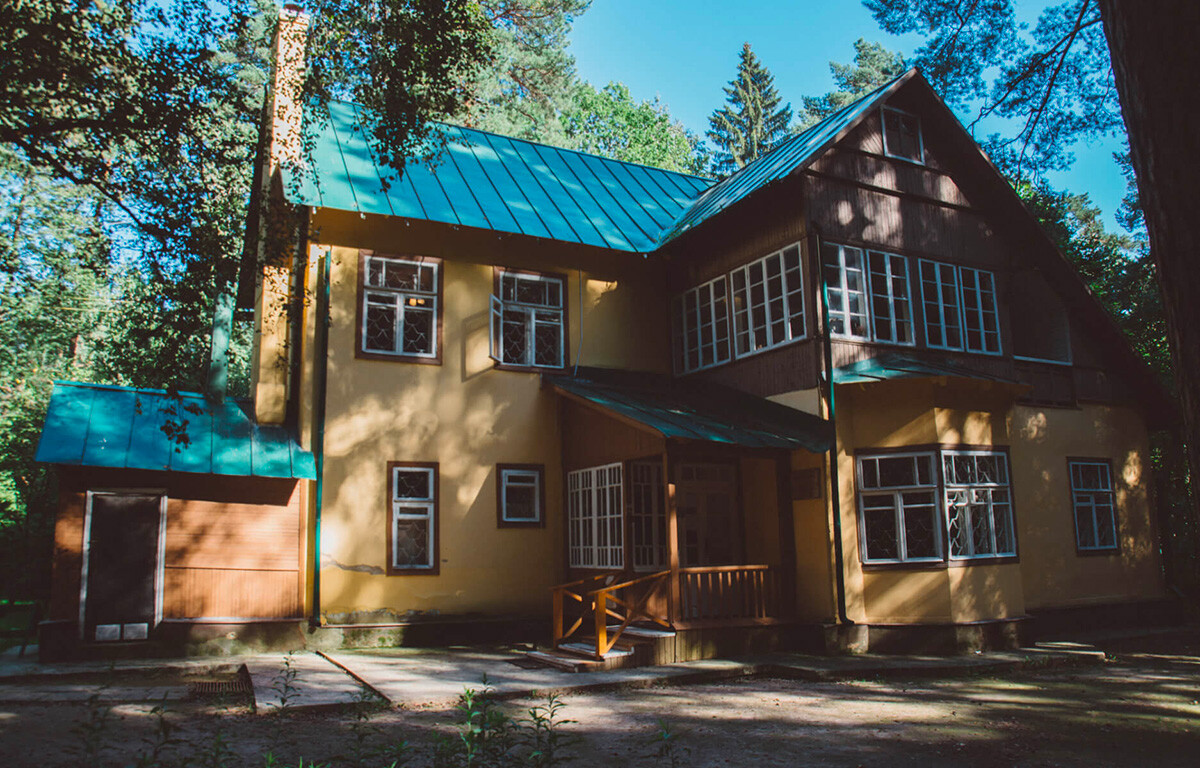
(884, 131)
(681, 328)
(539, 472)
(593, 520)
(948, 488)
(497, 304)
(869, 293)
(743, 325)
(1072, 462)
(900, 510)
(979, 311)
(434, 358)
(434, 503)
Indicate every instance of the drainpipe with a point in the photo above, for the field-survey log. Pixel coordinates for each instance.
(834, 480)
(320, 377)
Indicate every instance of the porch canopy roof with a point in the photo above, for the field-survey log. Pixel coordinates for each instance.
(888, 366)
(694, 410)
(98, 425)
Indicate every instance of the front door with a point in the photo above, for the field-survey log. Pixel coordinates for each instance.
(121, 566)
(706, 502)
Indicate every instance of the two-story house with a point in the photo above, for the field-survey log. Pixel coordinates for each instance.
(851, 393)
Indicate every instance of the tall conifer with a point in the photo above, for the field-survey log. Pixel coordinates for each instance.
(752, 121)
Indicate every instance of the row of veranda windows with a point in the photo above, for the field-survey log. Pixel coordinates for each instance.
(925, 506)
(870, 295)
(401, 311)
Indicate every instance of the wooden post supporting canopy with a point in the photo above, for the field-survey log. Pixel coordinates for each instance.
(672, 537)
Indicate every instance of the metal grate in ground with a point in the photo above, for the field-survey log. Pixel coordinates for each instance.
(210, 688)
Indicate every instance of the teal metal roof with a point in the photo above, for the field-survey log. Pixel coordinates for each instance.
(891, 365)
(696, 410)
(97, 425)
(782, 161)
(479, 179)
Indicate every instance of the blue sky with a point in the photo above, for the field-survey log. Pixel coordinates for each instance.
(685, 51)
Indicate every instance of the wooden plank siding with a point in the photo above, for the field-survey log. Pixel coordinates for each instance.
(234, 546)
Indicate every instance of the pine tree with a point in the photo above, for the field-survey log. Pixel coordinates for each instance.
(873, 66)
(752, 122)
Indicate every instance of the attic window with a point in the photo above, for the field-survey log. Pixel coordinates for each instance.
(902, 136)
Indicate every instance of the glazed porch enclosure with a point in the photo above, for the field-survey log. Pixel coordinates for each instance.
(678, 505)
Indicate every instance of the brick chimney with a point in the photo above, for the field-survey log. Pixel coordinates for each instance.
(271, 361)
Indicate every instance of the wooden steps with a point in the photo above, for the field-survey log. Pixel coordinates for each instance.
(637, 647)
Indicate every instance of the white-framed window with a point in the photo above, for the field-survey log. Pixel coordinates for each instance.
(412, 535)
(527, 320)
(700, 326)
(898, 509)
(520, 495)
(768, 302)
(868, 294)
(891, 301)
(595, 517)
(648, 517)
(960, 308)
(399, 312)
(981, 320)
(1095, 507)
(902, 135)
(942, 304)
(846, 291)
(979, 518)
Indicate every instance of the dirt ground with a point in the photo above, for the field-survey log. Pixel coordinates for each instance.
(1140, 709)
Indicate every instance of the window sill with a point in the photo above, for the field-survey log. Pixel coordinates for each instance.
(941, 565)
(520, 523)
(529, 368)
(386, 357)
(1107, 552)
(394, 571)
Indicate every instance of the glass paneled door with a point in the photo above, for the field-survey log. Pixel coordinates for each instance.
(706, 500)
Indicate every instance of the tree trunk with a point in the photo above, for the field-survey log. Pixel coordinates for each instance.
(1156, 61)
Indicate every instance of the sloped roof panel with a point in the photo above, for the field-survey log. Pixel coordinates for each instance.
(780, 162)
(890, 365)
(483, 180)
(695, 410)
(97, 425)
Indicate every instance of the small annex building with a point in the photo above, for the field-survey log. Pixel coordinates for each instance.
(178, 517)
(850, 396)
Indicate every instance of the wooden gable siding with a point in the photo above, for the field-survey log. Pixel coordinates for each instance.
(591, 438)
(738, 237)
(234, 546)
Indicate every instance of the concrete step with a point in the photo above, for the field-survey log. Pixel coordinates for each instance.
(648, 633)
(567, 662)
(588, 650)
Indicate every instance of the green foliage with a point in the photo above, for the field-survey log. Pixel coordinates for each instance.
(530, 79)
(611, 123)
(486, 737)
(666, 749)
(873, 66)
(752, 121)
(1054, 79)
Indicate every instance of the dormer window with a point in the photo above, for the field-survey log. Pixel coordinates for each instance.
(528, 320)
(902, 136)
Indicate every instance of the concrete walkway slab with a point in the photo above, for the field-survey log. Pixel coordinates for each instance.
(315, 682)
(60, 693)
(434, 679)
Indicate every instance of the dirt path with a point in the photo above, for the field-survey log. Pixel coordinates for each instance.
(1140, 710)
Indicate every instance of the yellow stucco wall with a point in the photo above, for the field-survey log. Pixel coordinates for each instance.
(1043, 438)
(1049, 572)
(921, 412)
(464, 414)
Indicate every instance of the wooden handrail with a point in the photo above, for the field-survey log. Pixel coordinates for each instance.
(576, 583)
(638, 580)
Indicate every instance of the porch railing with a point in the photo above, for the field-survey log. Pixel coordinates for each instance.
(626, 602)
(728, 593)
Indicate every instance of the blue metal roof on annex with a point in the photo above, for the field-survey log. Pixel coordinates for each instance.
(99, 425)
(484, 180)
